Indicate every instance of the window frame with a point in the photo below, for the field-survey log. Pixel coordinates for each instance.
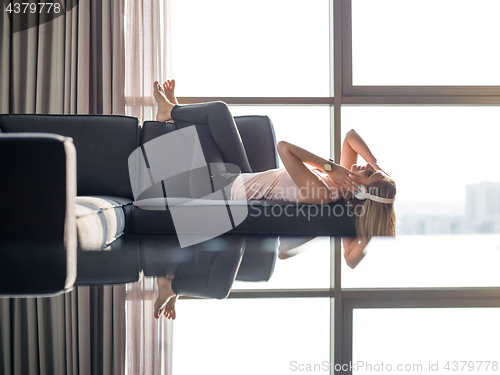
(342, 92)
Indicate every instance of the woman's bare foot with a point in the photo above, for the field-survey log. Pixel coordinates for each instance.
(165, 293)
(169, 88)
(170, 308)
(164, 106)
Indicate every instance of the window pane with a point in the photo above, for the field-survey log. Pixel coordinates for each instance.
(304, 126)
(250, 336)
(425, 42)
(416, 339)
(313, 262)
(308, 267)
(443, 160)
(257, 48)
(428, 261)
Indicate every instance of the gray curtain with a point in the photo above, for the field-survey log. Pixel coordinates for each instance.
(80, 332)
(72, 64)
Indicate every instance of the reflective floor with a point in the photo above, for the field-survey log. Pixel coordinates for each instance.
(255, 332)
(265, 262)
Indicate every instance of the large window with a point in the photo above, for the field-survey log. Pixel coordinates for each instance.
(269, 58)
(419, 80)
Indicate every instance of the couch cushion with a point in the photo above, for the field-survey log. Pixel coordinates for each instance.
(100, 221)
(103, 144)
(153, 216)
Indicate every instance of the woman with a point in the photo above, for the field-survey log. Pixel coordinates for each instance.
(306, 178)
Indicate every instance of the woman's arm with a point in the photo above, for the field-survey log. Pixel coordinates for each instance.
(353, 146)
(312, 190)
(354, 250)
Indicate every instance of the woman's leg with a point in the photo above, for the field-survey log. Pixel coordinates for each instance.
(219, 136)
(217, 116)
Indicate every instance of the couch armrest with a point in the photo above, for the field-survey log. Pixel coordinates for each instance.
(37, 220)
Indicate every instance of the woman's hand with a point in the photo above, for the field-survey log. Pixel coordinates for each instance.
(344, 178)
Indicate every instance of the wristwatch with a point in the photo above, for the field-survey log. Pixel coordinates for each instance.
(328, 166)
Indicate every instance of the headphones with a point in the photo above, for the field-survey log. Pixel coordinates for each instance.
(363, 194)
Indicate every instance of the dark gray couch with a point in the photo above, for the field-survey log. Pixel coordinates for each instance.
(67, 221)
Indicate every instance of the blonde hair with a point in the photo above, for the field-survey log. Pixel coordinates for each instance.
(375, 218)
